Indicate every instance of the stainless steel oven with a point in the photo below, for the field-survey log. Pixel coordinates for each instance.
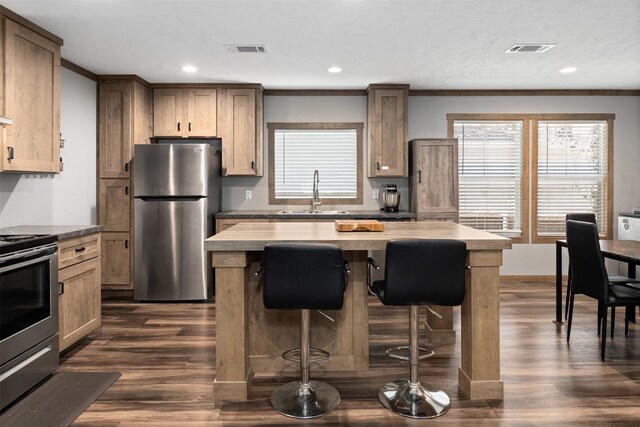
(28, 313)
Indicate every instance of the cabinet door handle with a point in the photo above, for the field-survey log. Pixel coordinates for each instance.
(178, 126)
(253, 165)
(377, 166)
(126, 167)
(82, 249)
(419, 177)
(126, 190)
(126, 244)
(10, 154)
(189, 126)
(60, 288)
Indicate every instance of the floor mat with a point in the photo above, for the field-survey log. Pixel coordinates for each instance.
(59, 400)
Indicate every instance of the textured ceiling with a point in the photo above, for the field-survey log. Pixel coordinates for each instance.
(430, 44)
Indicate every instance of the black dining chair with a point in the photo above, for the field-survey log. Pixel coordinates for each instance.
(589, 277)
(590, 218)
(304, 276)
(420, 272)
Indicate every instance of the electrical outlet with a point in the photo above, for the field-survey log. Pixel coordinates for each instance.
(247, 195)
(376, 193)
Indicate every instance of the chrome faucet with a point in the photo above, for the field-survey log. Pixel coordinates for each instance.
(315, 202)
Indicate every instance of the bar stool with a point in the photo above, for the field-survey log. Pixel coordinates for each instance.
(304, 276)
(420, 272)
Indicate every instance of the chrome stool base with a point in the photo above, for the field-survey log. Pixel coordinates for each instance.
(402, 352)
(295, 400)
(413, 400)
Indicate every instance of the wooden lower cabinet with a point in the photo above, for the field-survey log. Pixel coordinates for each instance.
(79, 290)
(116, 257)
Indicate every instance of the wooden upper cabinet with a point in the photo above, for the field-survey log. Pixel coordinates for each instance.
(433, 179)
(202, 105)
(114, 111)
(387, 110)
(167, 112)
(124, 110)
(240, 127)
(189, 112)
(31, 94)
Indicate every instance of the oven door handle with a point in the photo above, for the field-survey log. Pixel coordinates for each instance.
(13, 262)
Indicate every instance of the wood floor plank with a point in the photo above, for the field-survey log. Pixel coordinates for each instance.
(166, 354)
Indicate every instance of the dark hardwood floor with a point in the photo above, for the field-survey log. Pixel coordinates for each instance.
(166, 355)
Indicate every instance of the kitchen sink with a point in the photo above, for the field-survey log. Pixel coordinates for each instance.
(316, 212)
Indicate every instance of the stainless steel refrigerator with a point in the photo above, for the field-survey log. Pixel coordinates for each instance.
(177, 192)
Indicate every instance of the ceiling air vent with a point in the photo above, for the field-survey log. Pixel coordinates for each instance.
(535, 48)
(246, 48)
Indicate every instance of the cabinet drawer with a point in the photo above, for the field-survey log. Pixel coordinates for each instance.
(79, 302)
(78, 249)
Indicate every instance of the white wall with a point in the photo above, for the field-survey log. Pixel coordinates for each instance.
(68, 197)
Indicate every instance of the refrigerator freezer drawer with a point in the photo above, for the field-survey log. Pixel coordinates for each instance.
(171, 263)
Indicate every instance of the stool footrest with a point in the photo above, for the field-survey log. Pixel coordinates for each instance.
(395, 352)
(315, 355)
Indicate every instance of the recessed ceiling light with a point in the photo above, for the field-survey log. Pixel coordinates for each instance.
(334, 70)
(568, 70)
(189, 69)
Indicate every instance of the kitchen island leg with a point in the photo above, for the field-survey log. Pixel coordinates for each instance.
(479, 374)
(233, 372)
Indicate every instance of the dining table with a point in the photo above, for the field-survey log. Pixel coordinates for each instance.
(251, 339)
(627, 251)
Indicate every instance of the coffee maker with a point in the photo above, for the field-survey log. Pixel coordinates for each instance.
(391, 198)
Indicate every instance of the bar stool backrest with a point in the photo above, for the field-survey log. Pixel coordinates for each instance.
(419, 272)
(303, 276)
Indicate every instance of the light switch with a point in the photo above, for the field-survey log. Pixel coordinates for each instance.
(247, 195)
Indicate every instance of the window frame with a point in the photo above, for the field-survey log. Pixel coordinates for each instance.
(359, 128)
(530, 173)
(608, 223)
(524, 196)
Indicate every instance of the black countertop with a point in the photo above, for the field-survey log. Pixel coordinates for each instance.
(62, 231)
(295, 214)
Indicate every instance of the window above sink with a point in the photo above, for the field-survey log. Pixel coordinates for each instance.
(296, 150)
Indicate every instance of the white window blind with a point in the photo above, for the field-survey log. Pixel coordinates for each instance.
(299, 152)
(572, 172)
(491, 169)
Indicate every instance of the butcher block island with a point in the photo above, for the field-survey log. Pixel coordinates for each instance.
(251, 339)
